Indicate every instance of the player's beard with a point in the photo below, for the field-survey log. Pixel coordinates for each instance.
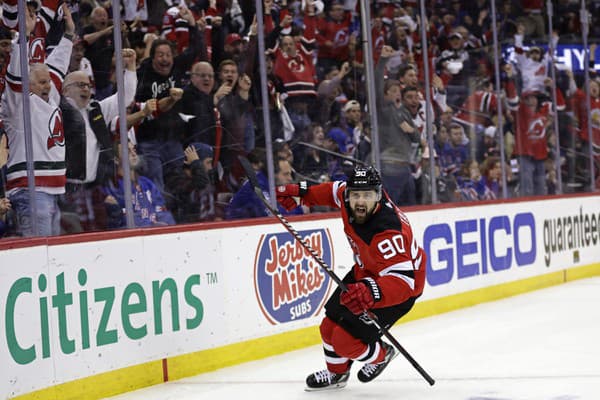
(361, 214)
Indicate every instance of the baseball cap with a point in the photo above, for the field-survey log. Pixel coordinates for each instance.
(490, 131)
(535, 48)
(319, 6)
(204, 150)
(455, 35)
(339, 137)
(350, 105)
(232, 38)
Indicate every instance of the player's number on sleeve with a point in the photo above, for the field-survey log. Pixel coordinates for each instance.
(391, 247)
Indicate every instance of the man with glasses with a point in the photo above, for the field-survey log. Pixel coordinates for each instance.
(89, 154)
(199, 101)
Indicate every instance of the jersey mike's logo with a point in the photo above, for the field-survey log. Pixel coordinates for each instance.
(289, 283)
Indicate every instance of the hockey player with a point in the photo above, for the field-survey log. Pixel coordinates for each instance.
(386, 279)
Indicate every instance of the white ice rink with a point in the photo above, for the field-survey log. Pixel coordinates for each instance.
(543, 345)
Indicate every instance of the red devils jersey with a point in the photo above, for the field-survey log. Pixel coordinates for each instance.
(176, 30)
(37, 40)
(336, 32)
(580, 108)
(298, 74)
(478, 109)
(378, 36)
(531, 136)
(384, 247)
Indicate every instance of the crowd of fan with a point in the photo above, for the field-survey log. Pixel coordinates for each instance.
(192, 85)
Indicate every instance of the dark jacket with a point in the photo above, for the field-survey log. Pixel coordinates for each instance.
(75, 137)
(151, 85)
(182, 186)
(199, 104)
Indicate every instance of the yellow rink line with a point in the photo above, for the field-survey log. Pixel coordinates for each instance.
(155, 372)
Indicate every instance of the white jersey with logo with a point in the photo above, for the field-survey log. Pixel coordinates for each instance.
(533, 73)
(48, 139)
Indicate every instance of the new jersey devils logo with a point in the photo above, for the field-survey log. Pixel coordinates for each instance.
(541, 71)
(341, 38)
(537, 129)
(57, 132)
(37, 52)
(296, 65)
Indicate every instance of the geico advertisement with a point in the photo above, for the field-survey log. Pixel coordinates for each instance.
(482, 245)
(100, 306)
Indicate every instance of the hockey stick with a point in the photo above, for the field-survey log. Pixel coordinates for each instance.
(369, 316)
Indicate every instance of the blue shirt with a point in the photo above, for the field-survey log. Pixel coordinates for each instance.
(147, 201)
(246, 204)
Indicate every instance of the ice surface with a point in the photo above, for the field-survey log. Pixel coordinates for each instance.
(543, 345)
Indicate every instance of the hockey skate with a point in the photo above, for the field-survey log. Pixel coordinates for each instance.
(324, 380)
(371, 371)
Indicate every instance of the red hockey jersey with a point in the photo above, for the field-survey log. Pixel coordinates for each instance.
(298, 74)
(478, 109)
(384, 247)
(531, 135)
(579, 106)
(337, 33)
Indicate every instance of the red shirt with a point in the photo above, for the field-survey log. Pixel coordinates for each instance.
(384, 247)
(580, 108)
(338, 33)
(298, 73)
(531, 136)
(478, 108)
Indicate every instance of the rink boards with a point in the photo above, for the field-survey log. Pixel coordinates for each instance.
(96, 315)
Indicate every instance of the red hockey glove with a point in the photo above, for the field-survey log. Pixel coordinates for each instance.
(286, 193)
(357, 298)
(287, 202)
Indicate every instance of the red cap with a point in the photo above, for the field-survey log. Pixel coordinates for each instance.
(232, 38)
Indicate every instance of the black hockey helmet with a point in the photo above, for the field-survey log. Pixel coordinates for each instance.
(364, 178)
